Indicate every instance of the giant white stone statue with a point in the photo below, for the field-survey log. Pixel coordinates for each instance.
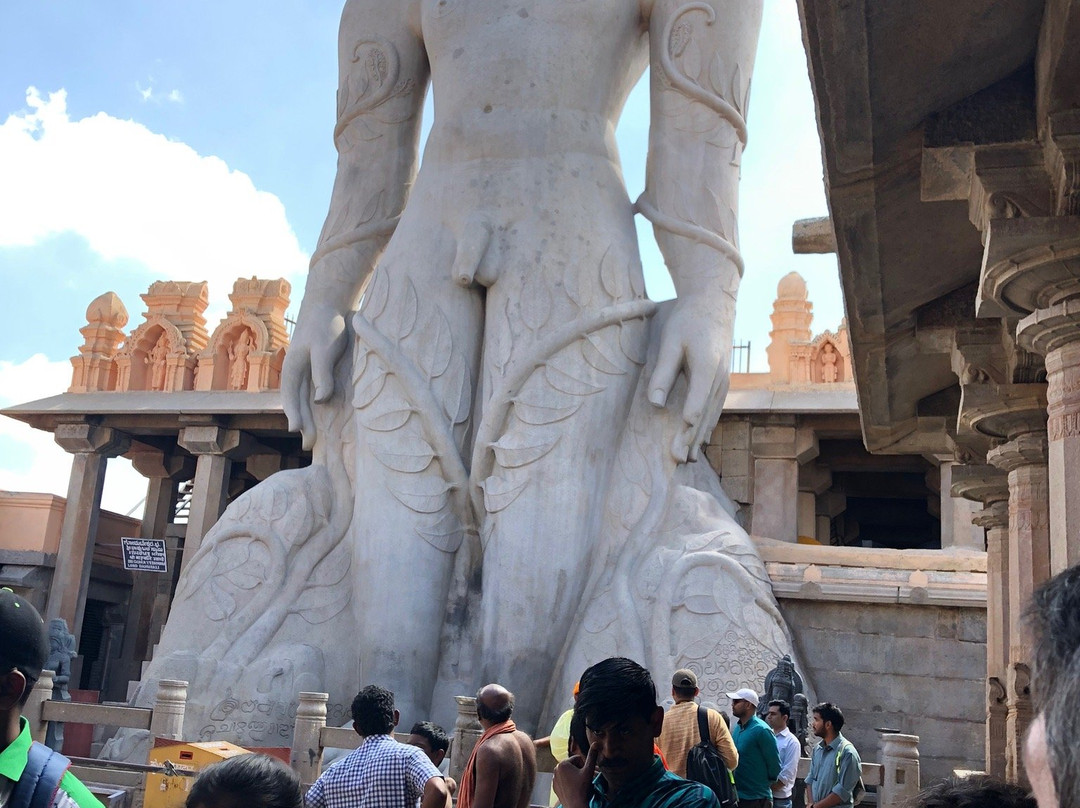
(503, 425)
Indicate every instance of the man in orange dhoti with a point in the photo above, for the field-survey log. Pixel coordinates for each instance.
(502, 767)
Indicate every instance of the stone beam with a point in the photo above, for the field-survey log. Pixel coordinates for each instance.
(813, 236)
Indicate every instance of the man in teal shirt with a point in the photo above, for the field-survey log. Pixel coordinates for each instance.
(24, 647)
(759, 760)
(835, 767)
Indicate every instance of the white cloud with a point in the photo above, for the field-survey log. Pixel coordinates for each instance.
(149, 95)
(136, 195)
(32, 460)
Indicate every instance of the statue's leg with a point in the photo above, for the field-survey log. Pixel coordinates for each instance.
(418, 337)
(564, 340)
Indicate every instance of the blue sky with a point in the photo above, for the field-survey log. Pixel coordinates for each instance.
(143, 139)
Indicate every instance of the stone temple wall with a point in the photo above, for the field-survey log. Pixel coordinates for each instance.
(918, 669)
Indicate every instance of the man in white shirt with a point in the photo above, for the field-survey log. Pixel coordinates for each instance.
(787, 745)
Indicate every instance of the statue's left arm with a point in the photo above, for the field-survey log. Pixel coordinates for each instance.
(702, 55)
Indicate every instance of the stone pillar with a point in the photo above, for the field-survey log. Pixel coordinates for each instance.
(215, 448)
(995, 519)
(164, 471)
(306, 755)
(467, 732)
(900, 763)
(989, 486)
(1055, 333)
(1024, 458)
(92, 447)
(957, 530)
(778, 449)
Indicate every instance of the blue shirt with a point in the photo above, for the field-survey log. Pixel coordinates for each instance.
(656, 787)
(381, 773)
(759, 760)
(832, 775)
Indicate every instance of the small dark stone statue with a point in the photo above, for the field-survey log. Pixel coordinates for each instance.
(784, 683)
(61, 650)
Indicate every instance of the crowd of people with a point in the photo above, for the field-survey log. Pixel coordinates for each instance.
(617, 748)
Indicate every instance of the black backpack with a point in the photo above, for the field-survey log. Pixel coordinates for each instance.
(704, 765)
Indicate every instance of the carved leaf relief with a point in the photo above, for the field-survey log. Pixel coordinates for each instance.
(539, 415)
(370, 385)
(318, 604)
(516, 449)
(445, 535)
(421, 494)
(500, 493)
(407, 454)
(535, 302)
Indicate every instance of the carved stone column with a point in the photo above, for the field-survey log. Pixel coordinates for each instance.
(215, 447)
(995, 520)
(1024, 458)
(92, 446)
(1055, 333)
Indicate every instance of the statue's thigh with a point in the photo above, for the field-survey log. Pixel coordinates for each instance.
(417, 357)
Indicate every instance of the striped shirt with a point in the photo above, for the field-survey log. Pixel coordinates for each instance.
(381, 773)
(655, 788)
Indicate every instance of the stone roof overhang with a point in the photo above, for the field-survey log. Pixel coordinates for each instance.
(881, 72)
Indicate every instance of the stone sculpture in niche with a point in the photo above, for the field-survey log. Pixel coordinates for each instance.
(828, 363)
(501, 433)
(157, 362)
(239, 355)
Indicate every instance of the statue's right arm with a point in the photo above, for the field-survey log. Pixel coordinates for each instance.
(382, 78)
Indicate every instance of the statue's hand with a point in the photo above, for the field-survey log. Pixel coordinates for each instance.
(696, 338)
(317, 344)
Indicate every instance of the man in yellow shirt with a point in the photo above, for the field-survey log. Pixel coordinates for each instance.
(680, 731)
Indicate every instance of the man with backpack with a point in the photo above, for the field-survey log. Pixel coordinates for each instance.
(680, 731)
(835, 777)
(31, 774)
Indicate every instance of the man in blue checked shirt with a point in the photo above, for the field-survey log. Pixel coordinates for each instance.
(835, 767)
(381, 773)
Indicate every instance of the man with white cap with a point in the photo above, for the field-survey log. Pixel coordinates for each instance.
(759, 760)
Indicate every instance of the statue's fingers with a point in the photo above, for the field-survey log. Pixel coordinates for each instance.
(307, 415)
(668, 361)
(322, 372)
(292, 376)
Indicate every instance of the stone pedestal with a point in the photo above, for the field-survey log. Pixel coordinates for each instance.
(92, 447)
(900, 763)
(467, 732)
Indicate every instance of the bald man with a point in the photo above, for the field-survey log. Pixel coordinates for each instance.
(502, 767)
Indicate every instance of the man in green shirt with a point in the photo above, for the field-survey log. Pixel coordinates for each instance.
(24, 647)
(835, 767)
(759, 760)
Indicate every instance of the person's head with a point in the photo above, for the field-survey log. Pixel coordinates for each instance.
(246, 781)
(1050, 749)
(578, 742)
(778, 714)
(976, 791)
(373, 711)
(684, 685)
(744, 702)
(494, 705)
(431, 738)
(618, 703)
(24, 648)
(828, 720)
